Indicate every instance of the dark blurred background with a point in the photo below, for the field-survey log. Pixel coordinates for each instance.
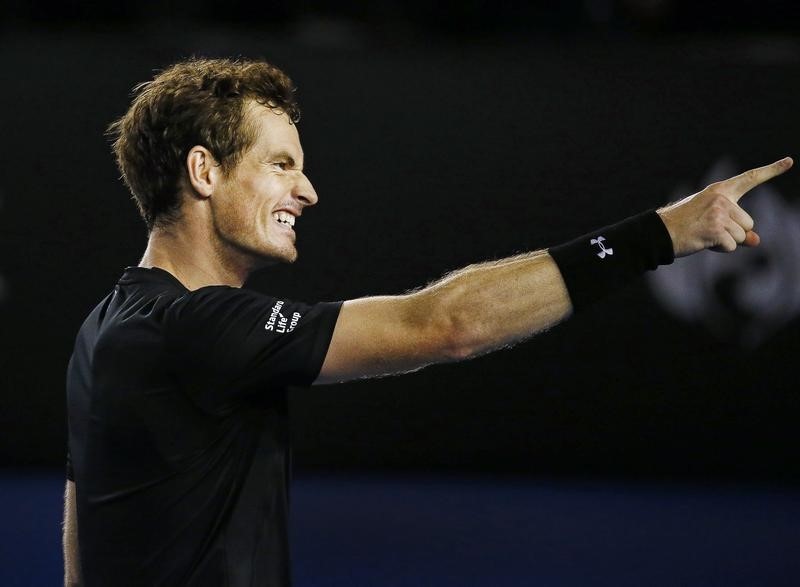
(437, 135)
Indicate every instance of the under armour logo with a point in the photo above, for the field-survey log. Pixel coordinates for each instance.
(603, 250)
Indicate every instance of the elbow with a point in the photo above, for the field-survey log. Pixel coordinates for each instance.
(451, 331)
(459, 337)
(460, 352)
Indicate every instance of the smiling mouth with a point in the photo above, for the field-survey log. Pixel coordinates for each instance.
(284, 218)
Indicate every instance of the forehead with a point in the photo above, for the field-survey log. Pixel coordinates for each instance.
(274, 131)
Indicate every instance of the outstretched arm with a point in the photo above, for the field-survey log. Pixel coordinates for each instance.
(491, 305)
(72, 576)
(471, 311)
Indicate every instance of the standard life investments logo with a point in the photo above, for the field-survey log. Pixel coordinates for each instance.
(748, 296)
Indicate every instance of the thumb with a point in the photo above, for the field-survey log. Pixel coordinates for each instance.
(751, 239)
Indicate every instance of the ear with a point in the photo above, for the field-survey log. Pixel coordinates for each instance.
(203, 171)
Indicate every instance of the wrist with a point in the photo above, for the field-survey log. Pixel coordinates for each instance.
(669, 224)
(604, 260)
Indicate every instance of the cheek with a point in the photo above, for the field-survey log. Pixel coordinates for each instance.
(234, 215)
(247, 206)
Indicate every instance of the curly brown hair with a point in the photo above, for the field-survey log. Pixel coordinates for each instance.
(193, 102)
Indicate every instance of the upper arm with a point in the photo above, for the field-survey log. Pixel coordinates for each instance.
(384, 335)
(225, 344)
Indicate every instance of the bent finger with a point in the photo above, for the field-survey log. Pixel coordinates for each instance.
(737, 232)
(726, 244)
(741, 217)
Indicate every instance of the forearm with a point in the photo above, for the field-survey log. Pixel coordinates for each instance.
(491, 305)
(72, 576)
(466, 313)
(495, 304)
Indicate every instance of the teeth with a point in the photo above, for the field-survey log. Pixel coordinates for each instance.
(284, 218)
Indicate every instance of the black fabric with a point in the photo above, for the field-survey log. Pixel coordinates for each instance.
(598, 263)
(178, 431)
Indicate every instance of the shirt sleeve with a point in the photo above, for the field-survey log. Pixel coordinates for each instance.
(227, 343)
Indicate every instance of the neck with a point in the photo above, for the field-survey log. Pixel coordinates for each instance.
(196, 260)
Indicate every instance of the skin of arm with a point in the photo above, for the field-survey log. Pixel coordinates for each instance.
(492, 305)
(471, 311)
(72, 565)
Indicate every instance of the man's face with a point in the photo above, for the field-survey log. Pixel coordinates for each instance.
(256, 209)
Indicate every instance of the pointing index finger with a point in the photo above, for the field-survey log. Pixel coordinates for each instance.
(743, 183)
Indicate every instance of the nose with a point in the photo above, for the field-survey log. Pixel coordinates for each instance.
(304, 191)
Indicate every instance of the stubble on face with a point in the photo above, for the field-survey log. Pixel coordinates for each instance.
(242, 207)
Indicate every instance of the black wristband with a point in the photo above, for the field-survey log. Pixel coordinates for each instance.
(604, 260)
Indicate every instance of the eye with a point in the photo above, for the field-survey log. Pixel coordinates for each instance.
(282, 165)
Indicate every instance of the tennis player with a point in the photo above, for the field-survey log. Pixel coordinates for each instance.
(178, 460)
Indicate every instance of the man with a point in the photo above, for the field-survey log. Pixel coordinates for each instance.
(178, 471)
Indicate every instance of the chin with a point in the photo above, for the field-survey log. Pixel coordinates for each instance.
(273, 257)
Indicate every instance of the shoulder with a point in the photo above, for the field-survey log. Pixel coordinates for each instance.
(215, 302)
(228, 306)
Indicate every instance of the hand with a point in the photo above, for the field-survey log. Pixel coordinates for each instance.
(712, 218)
